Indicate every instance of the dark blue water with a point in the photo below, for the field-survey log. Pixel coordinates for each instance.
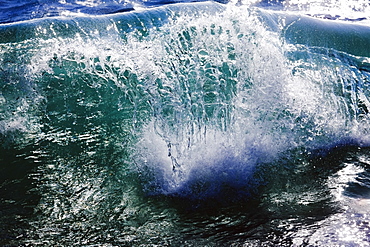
(12, 11)
(149, 123)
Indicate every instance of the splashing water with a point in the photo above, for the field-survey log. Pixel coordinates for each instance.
(229, 96)
(189, 124)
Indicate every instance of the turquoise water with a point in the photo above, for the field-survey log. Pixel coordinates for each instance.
(190, 124)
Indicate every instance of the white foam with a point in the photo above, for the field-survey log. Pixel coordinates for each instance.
(272, 109)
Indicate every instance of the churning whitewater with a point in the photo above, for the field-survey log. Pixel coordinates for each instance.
(197, 124)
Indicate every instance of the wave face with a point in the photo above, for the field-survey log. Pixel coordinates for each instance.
(187, 124)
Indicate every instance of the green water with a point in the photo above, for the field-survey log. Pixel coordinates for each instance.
(188, 125)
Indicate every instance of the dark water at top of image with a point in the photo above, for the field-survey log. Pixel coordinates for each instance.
(20, 10)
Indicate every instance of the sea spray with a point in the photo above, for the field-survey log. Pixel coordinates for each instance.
(219, 98)
(192, 104)
(230, 96)
(194, 92)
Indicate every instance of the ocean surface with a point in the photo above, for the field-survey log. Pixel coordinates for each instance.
(181, 123)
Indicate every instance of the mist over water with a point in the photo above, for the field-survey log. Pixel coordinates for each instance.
(199, 124)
